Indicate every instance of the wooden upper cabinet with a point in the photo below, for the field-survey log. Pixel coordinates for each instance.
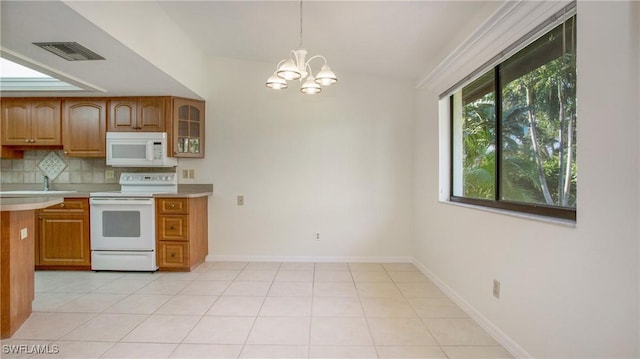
(188, 128)
(84, 124)
(122, 114)
(145, 114)
(31, 122)
(151, 114)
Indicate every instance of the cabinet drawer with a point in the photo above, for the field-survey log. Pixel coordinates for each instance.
(70, 205)
(173, 254)
(173, 228)
(173, 205)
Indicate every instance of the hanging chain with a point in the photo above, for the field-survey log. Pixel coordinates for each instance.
(300, 24)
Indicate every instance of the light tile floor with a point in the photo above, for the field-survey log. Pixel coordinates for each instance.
(249, 310)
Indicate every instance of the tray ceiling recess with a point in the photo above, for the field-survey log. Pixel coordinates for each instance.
(70, 51)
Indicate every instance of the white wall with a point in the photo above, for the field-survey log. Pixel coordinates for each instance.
(566, 292)
(339, 164)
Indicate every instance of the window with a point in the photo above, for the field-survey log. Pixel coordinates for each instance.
(16, 77)
(514, 131)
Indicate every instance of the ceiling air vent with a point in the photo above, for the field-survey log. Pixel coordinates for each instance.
(70, 51)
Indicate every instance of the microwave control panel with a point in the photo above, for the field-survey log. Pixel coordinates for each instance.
(157, 150)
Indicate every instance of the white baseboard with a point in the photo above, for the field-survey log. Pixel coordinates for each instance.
(501, 337)
(306, 259)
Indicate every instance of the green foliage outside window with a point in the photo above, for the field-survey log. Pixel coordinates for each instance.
(533, 138)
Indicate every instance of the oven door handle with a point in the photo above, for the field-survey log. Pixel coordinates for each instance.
(121, 201)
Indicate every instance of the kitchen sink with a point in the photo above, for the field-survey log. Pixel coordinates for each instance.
(33, 192)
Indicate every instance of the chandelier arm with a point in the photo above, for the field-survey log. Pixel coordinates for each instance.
(308, 67)
(316, 56)
(280, 63)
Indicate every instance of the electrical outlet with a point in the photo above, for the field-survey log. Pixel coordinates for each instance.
(24, 233)
(192, 173)
(185, 173)
(317, 236)
(240, 200)
(109, 174)
(496, 288)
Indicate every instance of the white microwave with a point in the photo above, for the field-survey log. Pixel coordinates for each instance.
(138, 149)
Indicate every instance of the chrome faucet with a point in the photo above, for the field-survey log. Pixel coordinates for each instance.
(46, 183)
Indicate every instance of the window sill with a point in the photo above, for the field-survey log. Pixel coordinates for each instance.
(533, 217)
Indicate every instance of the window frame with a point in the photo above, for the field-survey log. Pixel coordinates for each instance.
(558, 212)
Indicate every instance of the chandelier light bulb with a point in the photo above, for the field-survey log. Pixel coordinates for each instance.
(276, 83)
(289, 71)
(326, 77)
(310, 87)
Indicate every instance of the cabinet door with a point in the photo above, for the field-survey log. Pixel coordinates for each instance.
(188, 128)
(16, 124)
(63, 240)
(122, 114)
(45, 122)
(31, 122)
(151, 114)
(84, 127)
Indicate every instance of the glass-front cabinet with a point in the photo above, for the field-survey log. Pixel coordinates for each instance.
(188, 128)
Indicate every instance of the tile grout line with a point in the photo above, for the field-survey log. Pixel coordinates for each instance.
(366, 317)
(205, 313)
(419, 317)
(246, 339)
(313, 290)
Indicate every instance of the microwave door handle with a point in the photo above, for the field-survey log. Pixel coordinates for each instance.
(150, 150)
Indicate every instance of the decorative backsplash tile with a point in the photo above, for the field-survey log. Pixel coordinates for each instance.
(31, 169)
(52, 165)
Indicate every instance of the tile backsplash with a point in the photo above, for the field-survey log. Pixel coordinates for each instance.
(77, 170)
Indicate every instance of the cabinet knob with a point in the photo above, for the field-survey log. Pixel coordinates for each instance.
(172, 227)
(61, 205)
(173, 255)
(66, 152)
(172, 205)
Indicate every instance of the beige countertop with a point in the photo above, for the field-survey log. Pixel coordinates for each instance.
(83, 191)
(28, 203)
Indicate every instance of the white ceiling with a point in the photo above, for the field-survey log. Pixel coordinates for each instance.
(402, 39)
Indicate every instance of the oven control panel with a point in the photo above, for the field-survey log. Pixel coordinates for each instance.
(139, 178)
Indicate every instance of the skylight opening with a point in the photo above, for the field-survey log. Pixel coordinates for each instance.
(16, 77)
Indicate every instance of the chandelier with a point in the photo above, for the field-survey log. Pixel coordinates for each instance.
(296, 67)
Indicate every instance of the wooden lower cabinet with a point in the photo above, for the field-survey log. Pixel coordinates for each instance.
(63, 240)
(181, 232)
(16, 269)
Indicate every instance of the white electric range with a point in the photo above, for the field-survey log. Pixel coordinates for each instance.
(123, 230)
